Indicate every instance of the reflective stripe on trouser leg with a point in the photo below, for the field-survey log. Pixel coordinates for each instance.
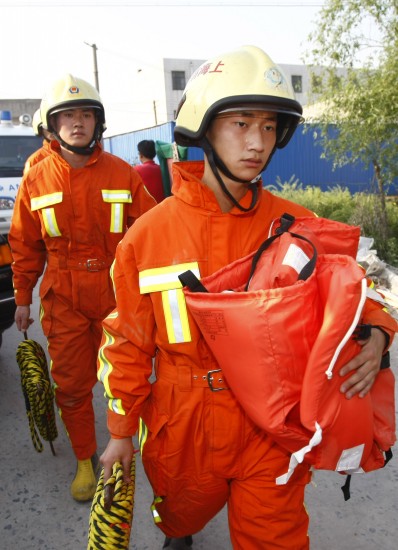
(155, 514)
(142, 437)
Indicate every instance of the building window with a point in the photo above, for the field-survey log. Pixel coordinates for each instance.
(297, 83)
(178, 80)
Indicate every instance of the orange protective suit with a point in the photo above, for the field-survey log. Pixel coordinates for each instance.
(72, 219)
(37, 156)
(199, 448)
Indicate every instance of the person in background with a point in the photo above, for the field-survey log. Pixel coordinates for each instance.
(72, 209)
(200, 450)
(44, 150)
(149, 171)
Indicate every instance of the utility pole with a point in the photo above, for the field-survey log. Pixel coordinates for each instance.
(94, 46)
(154, 110)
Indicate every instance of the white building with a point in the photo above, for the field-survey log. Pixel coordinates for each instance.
(151, 95)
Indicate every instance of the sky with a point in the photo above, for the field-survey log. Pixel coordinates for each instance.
(40, 40)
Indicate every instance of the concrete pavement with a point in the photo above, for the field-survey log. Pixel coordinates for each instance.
(37, 513)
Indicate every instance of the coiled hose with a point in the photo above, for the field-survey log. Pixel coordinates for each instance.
(38, 393)
(111, 514)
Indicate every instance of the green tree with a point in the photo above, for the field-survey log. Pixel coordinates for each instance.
(361, 103)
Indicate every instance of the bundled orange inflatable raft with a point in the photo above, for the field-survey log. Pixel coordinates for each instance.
(281, 323)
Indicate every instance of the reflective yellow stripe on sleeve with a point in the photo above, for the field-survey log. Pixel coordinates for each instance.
(111, 272)
(104, 370)
(165, 280)
(142, 434)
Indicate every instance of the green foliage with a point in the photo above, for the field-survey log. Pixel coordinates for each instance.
(341, 32)
(359, 209)
(362, 103)
(367, 213)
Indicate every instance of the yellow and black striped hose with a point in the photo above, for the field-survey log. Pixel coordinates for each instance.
(111, 513)
(38, 393)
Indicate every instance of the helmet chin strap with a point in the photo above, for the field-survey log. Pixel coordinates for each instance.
(88, 150)
(217, 165)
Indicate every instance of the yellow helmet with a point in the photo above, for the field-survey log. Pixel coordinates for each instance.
(37, 124)
(71, 92)
(245, 77)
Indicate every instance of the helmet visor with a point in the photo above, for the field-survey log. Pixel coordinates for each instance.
(75, 105)
(260, 107)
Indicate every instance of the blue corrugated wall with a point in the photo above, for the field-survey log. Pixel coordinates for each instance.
(301, 159)
(125, 145)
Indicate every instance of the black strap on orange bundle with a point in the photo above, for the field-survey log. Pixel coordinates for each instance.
(189, 279)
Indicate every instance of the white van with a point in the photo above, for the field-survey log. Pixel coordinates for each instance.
(17, 143)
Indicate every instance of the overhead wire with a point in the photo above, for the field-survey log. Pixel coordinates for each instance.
(168, 4)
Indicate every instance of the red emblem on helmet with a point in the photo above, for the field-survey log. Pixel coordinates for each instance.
(74, 90)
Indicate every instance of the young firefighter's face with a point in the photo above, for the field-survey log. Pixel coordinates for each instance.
(244, 140)
(76, 126)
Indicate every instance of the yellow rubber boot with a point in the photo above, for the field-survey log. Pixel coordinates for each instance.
(85, 483)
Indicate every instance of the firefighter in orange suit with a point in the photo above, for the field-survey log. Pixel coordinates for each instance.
(45, 149)
(72, 209)
(199, 449)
